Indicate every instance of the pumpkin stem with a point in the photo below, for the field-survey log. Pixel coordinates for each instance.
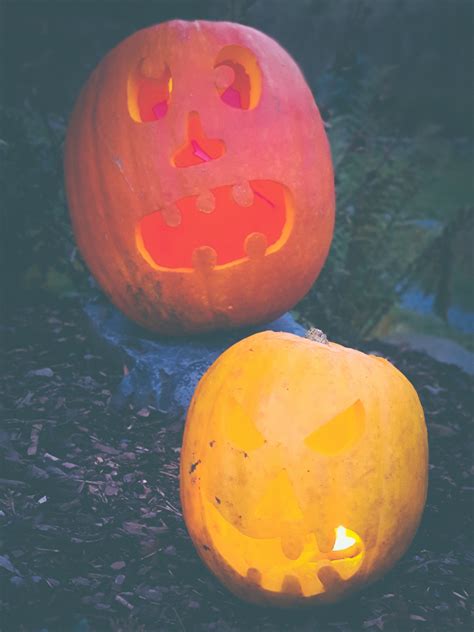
(316, 335)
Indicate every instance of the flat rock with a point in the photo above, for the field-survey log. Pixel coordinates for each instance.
(163, 371)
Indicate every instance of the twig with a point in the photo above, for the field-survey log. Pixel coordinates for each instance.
(6, 482)
(179, 619)
(34, 437)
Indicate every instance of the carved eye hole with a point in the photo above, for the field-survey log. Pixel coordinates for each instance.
(240, 429)
(340, 432)
(149, 97)
(238, 77)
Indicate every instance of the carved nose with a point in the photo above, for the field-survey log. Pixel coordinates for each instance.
(198, 147)
(279, 502)
(280, 505)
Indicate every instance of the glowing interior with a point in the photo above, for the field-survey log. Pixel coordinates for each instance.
(225, 225)
(343, 539)
(340, 432)
(246, 87)
(148, 97)
(279, 503)
(263, 561)
(198, 147)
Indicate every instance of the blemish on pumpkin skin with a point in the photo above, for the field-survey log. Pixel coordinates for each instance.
(138, 297)
(218, 500)
(212, 443)
(194, 466)
(206, 548)
(118, 163)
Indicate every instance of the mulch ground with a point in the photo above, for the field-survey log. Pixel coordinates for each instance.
(92, 536)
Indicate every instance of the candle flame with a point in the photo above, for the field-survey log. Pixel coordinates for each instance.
(343, 541)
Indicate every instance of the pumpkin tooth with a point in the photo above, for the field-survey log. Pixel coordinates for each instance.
(171, 215)
(330, 578)
(204, 258)
(243, 194)
(291, 585)
(292, 544)
(255, 245)
(206, 202)
(254, 576)
(325, 542)
(224, 77)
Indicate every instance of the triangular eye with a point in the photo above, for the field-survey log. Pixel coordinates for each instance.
(340, 432)
(149, 97)
(240, 429)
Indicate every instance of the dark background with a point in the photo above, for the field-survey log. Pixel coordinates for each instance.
(91, 536)
(51, 46)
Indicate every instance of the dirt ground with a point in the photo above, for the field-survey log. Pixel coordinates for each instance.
(92, 536)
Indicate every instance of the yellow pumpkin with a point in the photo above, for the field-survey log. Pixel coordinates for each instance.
(303, 468)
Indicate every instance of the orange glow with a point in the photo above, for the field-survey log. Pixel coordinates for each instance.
(339, 433)
(343, 540)
(172, 244)
(148, 97)
(245, 91)
(269, 562)
(198, 147)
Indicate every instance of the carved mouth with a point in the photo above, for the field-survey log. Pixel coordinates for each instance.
(222, 226)
(309, 573)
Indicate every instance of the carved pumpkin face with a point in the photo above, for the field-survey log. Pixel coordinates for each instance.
(304, 468)
(199, 177)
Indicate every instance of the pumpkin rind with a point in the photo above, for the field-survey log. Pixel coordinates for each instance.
(119, 170)
(286, 439)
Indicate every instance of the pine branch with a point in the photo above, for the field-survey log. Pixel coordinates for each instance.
(462, 220)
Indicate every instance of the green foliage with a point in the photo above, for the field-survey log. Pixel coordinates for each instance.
(38, 248)
(385, 237)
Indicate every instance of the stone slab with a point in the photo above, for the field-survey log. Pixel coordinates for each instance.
(164, 371)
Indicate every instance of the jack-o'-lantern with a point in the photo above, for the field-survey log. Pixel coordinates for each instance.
(199, 177)
(303, 468)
